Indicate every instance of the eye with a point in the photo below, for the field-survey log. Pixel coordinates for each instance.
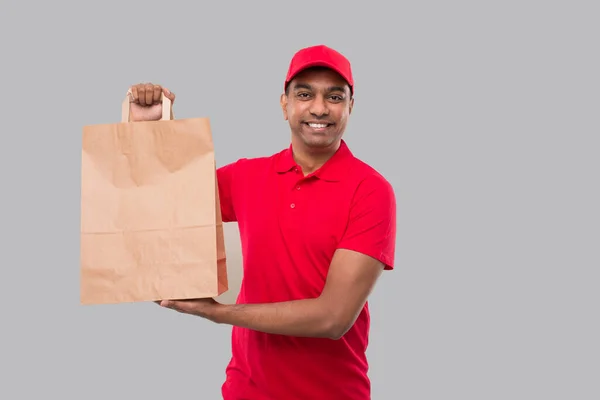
(336, 97)
(303, 95)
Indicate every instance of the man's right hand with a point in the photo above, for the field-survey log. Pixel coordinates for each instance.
(145, 103)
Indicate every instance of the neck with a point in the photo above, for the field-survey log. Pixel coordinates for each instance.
(312, 159)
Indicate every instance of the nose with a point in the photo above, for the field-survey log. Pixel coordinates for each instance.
(318, 106)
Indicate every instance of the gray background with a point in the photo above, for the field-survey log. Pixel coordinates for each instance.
(483, 115)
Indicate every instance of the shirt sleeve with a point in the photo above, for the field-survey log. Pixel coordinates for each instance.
(226, 180)
(371, 226)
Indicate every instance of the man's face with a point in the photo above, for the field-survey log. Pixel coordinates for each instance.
(317, 106)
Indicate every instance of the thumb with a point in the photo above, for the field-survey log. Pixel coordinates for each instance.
(170, 95)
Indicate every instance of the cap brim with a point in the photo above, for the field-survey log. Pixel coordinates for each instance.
(319, 63)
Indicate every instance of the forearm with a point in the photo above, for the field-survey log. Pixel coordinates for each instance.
(306, 318)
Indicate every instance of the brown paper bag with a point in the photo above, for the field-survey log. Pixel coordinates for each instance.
(151, 225)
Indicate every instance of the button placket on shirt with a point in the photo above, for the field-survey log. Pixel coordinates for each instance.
(297, 187)
(293, 195)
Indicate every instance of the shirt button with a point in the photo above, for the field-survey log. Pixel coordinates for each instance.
(292, 205)
(298, 187)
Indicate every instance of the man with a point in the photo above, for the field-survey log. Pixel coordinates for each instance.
(317, 229)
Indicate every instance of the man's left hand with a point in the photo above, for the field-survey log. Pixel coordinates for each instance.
(204, 308)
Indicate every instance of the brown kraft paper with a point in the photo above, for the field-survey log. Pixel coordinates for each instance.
(151, 226)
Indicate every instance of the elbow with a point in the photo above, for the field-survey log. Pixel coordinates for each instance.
(335, 320)
(336, 334)
(336, 327)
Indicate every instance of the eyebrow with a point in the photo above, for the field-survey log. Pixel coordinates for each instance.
(329, 89)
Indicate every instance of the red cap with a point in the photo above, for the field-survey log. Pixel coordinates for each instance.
(323, 56)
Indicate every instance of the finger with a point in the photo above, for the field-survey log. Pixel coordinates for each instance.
(156, 94)
(141, 91)
(130, 95)
(173, 305)
(182, 306)
(176, 306)
(134, 94)
(149, 90)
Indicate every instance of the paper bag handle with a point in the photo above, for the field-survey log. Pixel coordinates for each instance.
(166, 108)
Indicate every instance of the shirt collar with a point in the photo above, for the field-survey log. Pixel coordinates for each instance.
(333, 170)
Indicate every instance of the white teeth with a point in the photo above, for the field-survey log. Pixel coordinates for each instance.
(317, 125)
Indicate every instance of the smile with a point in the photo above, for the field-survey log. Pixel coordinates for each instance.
(315, 125)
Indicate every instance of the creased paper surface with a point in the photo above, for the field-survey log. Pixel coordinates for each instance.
(150, 217)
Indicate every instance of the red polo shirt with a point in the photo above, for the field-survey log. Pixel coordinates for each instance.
(290, 227)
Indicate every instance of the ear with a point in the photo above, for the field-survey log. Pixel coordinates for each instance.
(351, 105)
(283, 102)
